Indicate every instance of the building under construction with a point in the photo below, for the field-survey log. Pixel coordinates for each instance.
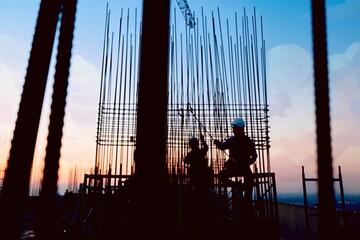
(212, 79)
(160, 86)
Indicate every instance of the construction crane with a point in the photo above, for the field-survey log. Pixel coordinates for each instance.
(185, 9)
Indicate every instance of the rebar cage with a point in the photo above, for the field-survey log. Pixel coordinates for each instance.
(210, 83)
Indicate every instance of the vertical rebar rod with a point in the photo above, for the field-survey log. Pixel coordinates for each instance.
(17, 176)
(116, 97)
(327, 218)
(49, 217)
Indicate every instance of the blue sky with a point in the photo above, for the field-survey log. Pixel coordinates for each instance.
(287, 32)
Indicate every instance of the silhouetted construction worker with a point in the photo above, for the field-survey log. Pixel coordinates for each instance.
(196, 158)
(197, 212)
(242, 154)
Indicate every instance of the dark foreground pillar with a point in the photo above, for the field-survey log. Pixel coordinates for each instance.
(327, 218)
(15, 192)
(151, 192)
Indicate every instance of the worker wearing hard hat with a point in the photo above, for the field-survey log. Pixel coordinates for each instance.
(242, 154)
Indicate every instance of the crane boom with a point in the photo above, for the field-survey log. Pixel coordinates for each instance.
(185, 10)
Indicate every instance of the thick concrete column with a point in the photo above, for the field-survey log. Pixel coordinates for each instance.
(151, 211)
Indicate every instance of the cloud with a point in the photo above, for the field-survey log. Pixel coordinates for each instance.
(344, 75)
(289, 70)
(348, 10)
(292, 114)
(345, 98)
(14, 54)
(84, 85)
(292, 120)
(78, 143)
(10, 97)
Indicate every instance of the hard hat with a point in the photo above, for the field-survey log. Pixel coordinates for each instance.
(238, 122)
(193, 140)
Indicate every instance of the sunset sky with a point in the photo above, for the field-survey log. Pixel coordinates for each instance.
(287, 32)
